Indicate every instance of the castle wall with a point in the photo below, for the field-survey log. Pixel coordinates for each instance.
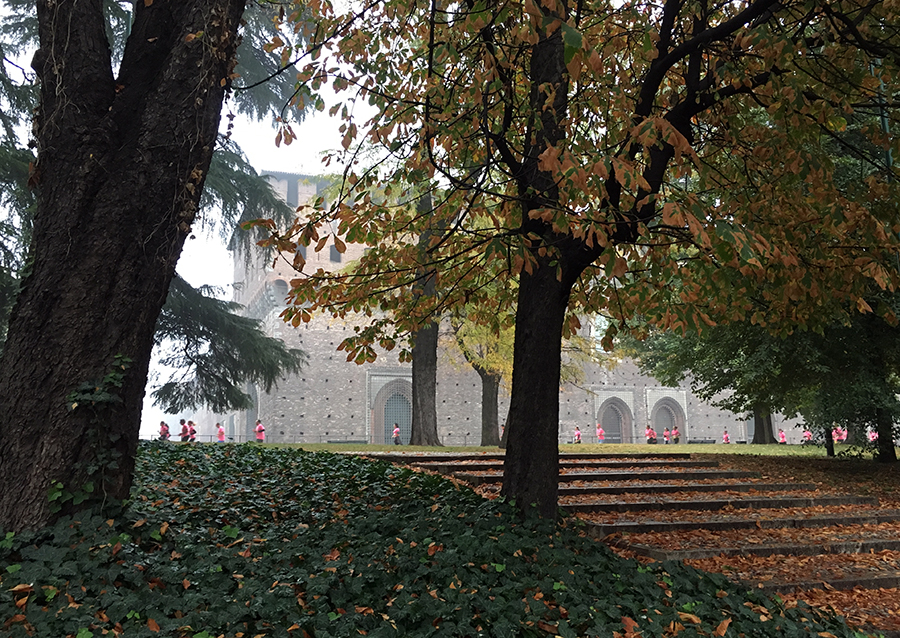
(334, 400)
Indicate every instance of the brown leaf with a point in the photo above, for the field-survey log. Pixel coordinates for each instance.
(686, 617)
(152, 625)
(722, 628)
(545, 626)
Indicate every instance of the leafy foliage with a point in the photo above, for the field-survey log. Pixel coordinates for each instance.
(215, 352)
(742, 367)
(250, 540)
(672, 193)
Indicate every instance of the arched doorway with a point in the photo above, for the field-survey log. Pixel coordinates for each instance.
(393, 404)
(397, 409)
(667, 413)
(615, 418)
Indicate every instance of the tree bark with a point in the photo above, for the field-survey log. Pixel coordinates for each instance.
(829, 442)
(121, 165)
(884, 424)
(531, 465)
(490, 397)
(762, 426)
(424, 386)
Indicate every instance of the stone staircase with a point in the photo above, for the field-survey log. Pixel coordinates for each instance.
(778, 536)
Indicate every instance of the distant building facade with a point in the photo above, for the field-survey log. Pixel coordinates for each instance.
(334, 400)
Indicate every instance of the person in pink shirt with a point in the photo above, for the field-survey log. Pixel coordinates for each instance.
(676, 435)
(192, 432)
(725, 437)
(807, 436)
(666, 436)
(650, 433)
(577, 434)
(873, 436)
(782, 438)
(220, 433)
(396, 434)
(185, 433)
(260, 432)
(601, 435)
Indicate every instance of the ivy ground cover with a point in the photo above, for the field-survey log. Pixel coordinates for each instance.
(252, 541)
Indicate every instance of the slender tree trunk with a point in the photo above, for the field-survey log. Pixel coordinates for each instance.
(424, 386)
(490, 397)
(121, 165)
(424, 352)
(829, 442)
(884, 424)
(762, 426)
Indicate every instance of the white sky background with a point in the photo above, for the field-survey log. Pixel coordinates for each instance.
(205, 261)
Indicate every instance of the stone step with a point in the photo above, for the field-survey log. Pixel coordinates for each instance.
(482, 479)
(748, 503)
(449, 467)
(663, 488)
(793, 549)
(600, 531)
(887, 580)
(445, 457)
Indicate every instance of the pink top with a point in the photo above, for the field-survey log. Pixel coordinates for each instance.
(260, 432)
(221, 433)
(600, 433)
(725, 438)
(396, 432)
(807, 435)
(781, 437)
(577, 435)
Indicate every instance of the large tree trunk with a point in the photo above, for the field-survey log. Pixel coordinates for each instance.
(121, 165)
(762, 426)
(490, 398)
(829, 442)
(884, 424)
(424, 386)
(531, 465)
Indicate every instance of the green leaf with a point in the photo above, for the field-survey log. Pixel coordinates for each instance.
(572, 41)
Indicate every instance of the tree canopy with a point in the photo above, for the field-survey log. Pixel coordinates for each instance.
(668, 159)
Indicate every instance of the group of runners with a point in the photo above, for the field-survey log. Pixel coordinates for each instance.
(188, 432)
(669, 436)
(673, 436)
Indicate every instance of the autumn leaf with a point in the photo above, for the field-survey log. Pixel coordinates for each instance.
(722, 628)
(686, 617)
(152, 625)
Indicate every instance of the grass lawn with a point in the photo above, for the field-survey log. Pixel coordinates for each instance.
(250, 541)
(614, 448)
